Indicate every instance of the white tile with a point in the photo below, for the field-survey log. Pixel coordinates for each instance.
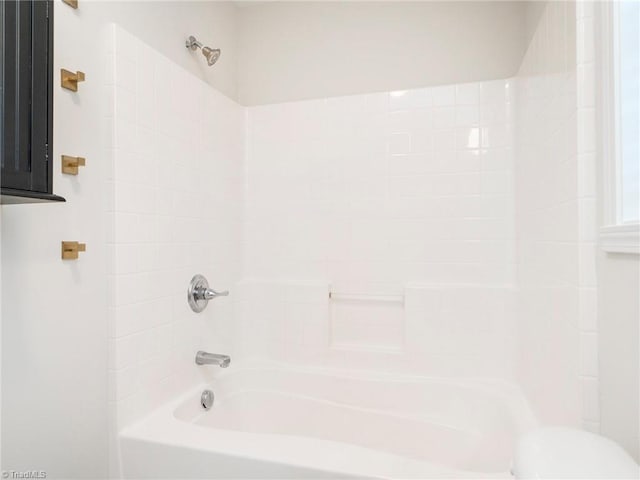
(444, 96)
(495, 113)
(587, 273)
(467, 94)
(125, 351)
(467, 161)
(400, 121)
(495, 182)
(123, 382)
(444, 140)
(467, 115)
(587, 173)
(399, 143)
(493, 92)
(125, 72)
(468, 137)
(590, 399)
(588, 309)
(586, 126)
(457, 184)
(589, 354)
(587, 219)
(125, 104)
(496, 136)
(444, 117)
(421, 141)
(496, 159)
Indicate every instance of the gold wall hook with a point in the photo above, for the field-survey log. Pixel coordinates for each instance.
(70, 250)
(70, 80)
(70, 164)
(71, 3)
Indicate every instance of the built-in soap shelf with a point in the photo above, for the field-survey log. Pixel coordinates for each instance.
(366, 322)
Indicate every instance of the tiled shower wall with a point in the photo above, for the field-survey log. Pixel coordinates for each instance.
(373, 191)
(555, 212)
(175, 210)
(586, 137)
(404, 198)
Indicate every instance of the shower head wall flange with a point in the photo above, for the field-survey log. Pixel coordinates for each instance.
(211, 54)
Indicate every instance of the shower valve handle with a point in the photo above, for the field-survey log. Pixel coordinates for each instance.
(210, 294)
(199, 293)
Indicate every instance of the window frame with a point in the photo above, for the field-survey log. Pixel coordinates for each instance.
(616, 236)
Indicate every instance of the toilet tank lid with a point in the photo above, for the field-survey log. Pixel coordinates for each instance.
(558, 452)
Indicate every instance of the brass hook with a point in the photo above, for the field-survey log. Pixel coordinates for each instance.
(70, 80)
(70, 250)
(70, 164)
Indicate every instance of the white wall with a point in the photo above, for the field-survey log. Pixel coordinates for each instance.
(533, 14)
(166, 24)
(619, 336)
(399, 193)
(302, 50)
(618, 319)
(54, 313)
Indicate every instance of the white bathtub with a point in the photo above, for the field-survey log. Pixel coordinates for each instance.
(271, 422)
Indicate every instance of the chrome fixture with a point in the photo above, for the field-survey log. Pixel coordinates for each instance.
(211, 54)
(204, 358)
(206, 399)
(199, 293)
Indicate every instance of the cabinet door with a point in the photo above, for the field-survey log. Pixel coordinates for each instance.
(27, 88)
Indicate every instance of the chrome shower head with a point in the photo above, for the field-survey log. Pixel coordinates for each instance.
(211, 54)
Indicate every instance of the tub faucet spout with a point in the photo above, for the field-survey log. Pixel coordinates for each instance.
(205, 358)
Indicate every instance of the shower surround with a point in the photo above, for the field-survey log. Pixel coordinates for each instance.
(403, 199)
(419, 211)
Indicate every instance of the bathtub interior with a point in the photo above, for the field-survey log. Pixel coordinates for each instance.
(465, 425)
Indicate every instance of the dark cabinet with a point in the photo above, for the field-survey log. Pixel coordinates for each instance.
(26, 101)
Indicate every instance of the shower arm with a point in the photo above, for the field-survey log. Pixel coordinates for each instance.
(192, 43)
